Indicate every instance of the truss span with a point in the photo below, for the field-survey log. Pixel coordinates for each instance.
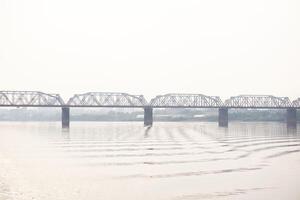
(107, 99)
(29, 99)
(186, 100)
(296, 103)
(258, 101)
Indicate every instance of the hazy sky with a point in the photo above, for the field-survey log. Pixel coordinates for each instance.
(213, 47)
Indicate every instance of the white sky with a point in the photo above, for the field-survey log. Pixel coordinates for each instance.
(213, 47)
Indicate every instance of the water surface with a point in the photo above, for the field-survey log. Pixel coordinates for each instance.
(170, 161)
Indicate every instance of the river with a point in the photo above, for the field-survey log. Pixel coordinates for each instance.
(170, 161)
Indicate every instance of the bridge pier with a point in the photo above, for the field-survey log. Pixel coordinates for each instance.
(148, 116)
(291, 117)
(65, 117)
(223, 117)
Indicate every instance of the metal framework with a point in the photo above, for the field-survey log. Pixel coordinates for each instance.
(258, 101)
(29, 99)
(107, 99)
(296, 103)
(186, 100)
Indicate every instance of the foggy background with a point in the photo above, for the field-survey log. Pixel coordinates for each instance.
(213, 47)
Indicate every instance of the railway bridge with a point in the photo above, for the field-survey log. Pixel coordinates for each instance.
(125, 100)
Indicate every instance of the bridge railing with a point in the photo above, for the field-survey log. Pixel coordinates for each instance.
(296, 103)
(258, 101)
(186, 100)
(29, 98)
(107, 99)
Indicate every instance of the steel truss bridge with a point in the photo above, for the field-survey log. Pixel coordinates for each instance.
(124, 100)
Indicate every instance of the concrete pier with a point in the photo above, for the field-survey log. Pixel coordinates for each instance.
(291, 117)
(65, 117)
(223, 117)
(148, 116)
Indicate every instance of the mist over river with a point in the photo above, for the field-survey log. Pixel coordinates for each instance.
(170, 161)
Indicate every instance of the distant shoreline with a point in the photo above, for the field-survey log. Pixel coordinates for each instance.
(142, 121)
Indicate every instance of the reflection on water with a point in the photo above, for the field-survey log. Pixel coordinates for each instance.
(168, 161)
